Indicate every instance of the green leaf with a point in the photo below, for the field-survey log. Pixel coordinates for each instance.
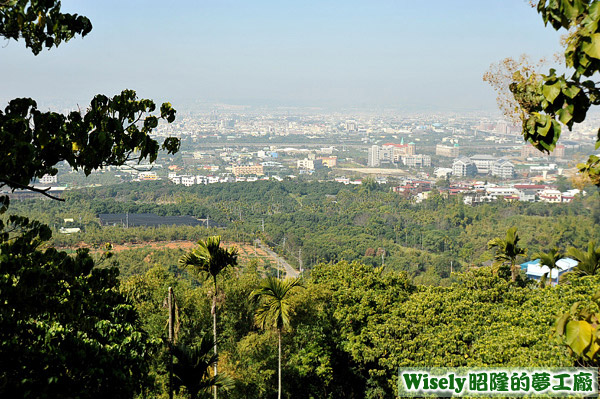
(592, 48)
(550, 92)
(561, 323)
(571, 91)
(579, 336)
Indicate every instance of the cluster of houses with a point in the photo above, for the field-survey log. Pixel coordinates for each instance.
(535, 271)
(478, 192)
(517, 192)
(190, 180)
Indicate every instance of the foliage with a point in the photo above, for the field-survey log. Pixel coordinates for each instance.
(589, 262)
(549, 259)
(578, 328)
(507, 251)
(521, 71)
(274, 310)
(32, 142)
(40, 23)
(192, 368)
(66, 331)
(209, 258)
(552, 100)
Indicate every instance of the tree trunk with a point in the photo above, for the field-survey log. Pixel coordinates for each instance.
(171, 338)
(214, 312)
(279, 388)
(513, 272)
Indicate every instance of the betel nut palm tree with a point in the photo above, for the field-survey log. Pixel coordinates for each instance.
(550, 259)
(274, 310)
(589, 262)
(209, 259)
(192, 369)
(507, 251)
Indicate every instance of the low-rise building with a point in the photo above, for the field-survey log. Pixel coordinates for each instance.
(188, 180)
(551, 196)
(309, 164)
(244, 170)
(450, 151)
(151, 176)
(483, 163)
(330, 162)
(49, 179)
(503, 169)
(417, 161)
(463, 166)
(535, 271)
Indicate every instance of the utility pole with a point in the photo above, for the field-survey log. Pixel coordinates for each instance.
(127, 219)
(263, 225)
(207, 221)
(300, 259)
(383, 258)
(450, 267)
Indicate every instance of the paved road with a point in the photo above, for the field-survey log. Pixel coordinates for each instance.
(289, 270)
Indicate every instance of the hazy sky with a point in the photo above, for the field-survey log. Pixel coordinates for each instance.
(419, 54)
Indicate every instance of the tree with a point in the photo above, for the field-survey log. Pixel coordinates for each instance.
(193, 365)
(589, 262)
(507, 251)
(549, 101)
(65, 330)
(274, 310)
(110, 132)
(210, 259)
(549, 259)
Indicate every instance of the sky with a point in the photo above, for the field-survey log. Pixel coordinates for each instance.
(416, 55)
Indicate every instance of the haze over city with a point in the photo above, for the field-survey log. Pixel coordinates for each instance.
(417, 56)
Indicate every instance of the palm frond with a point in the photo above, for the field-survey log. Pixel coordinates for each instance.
(589, 262)
(192, 368)
(273, 298)
(209, 257)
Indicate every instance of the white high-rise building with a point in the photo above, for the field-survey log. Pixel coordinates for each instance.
(373, 159)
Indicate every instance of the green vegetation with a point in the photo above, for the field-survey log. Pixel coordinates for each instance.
(309, 223)
(363, 313)
(209, 259)
(274, 310)
(381, 288)
(549, 101)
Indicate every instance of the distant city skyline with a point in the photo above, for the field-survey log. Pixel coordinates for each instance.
(419, 56)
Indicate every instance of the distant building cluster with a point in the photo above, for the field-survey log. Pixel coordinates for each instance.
(518, 192)
(528, 151)
(395, 153)
(190, 180)
(483, 165)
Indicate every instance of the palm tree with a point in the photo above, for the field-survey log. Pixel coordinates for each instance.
(210, 259)
(507, 251)
(549, 259)
(193, 365)
(589, 262)
(274, 308)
